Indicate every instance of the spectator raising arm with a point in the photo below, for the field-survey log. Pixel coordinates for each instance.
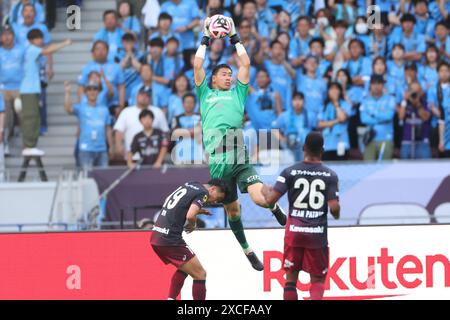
(67, 100)
(54, 47)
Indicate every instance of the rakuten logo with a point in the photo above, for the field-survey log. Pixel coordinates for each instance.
(343, 271)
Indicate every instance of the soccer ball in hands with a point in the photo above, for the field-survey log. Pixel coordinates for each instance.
(219, 26)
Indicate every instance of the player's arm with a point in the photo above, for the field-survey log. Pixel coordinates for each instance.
(199, 72)
(273, 194)
(270, 194)
(244, 60)
(333, 197)
(67, 99)
(191, 217)
(335, 208)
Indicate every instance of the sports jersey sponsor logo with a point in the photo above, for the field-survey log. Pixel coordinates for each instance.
(318, 229)
(310, 173)
(252, 178)
(161, 230)
(215, 99)
(281, 179)
(288, 264)
(191, 186)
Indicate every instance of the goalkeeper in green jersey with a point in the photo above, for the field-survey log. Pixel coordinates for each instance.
(222, 114)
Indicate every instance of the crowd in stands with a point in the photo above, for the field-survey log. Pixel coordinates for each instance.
(374, 80)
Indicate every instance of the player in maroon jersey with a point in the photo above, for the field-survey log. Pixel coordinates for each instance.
(179, 212)
(312, 188)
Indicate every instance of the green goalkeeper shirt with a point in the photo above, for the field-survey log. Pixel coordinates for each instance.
(221, 111)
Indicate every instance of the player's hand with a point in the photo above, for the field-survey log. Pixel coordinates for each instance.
(67, 86)
(189, 227)
(233, 27)
(204, 212)
(206, 27)
(67, 42)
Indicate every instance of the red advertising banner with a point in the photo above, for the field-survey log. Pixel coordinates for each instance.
(81, 265)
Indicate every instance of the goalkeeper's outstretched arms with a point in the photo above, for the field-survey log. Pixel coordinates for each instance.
(244, 60)
(199, 72)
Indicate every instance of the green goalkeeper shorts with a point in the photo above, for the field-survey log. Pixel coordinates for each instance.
(240, 175)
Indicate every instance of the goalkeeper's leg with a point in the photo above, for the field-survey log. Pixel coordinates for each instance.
(233, 210)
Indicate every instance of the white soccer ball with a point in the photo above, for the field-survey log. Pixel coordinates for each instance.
(219, 26)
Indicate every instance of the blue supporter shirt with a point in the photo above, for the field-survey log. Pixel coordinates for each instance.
(173, 65)
(291, 122)
(315, 90)
(31, 83)
(131, 75)
(187, 149)
(260, 107)
(281, 82)
(332, 136)
(132, 23)
(134, 92)
(175, 107)
(379, 114)
(359, 68)
(113, 39)
(425, 26)
(396, 71)
(21, 32)
(428, 77)
(433, 100)
(161, 91)
(182, 14)
(112, 71)
(414, 43)
(93, 122)
(299, 47)
(11, 67)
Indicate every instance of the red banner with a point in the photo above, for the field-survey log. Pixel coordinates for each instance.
(81, 265)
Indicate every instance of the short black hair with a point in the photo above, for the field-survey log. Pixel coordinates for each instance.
(97, 42)
(314, 143)
(298, 94)
(146, 113)
(7, 29)
(308, 19)
(443, 64)
(408, 17)
(317, 39)
(189, 94)
(172, 39)
(129, 37)
(274, 42)
(441, 23)
(35, 34)
(399, 45)
(106, 12)
(220, 66)
(165, 16)
(156, 42)
(221, 184)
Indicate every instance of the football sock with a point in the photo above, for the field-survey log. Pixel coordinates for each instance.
(199, 290)
(176, 284)
(316, 290)
(238, 230)
(290, 291)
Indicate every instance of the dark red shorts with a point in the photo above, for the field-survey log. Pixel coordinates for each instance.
(313, 261)
(176, 255)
